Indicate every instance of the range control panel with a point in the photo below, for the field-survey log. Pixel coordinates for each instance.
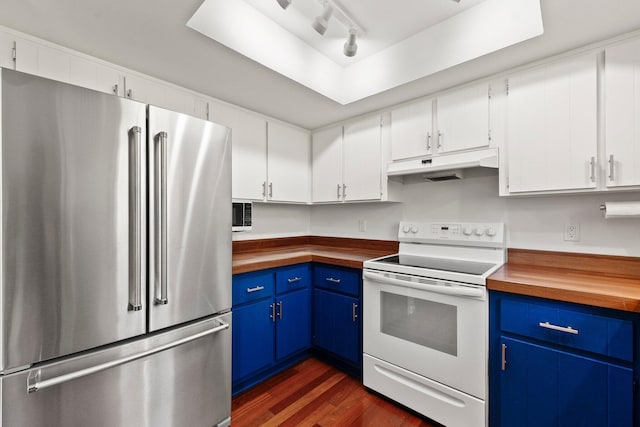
(462, 233)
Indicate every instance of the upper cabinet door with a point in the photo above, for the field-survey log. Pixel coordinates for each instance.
(552, 126)
(249, 155)
(58, 65)
(363, 160)
(288, 166)
(6, 50)
(463, 119)
(411, 130)
(622, 114)
(327, 165)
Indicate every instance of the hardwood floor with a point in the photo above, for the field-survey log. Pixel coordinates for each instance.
(315, 394)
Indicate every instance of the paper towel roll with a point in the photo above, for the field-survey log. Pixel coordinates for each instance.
(622, 210)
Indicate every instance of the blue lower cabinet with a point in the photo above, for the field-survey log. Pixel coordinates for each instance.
(253, 338)
(560, 364)
(271, 323)
(336, 324)
(293, 324)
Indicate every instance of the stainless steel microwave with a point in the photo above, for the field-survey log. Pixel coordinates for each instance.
(241, 216)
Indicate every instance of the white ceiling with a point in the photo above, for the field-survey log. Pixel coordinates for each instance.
(151, 36)
(283, 39)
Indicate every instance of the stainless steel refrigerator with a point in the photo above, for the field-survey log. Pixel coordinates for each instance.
(115, 261)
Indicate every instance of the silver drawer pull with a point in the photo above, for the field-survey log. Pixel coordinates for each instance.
(256, 289)
(332, 280)
(567, 329)
(294, 280)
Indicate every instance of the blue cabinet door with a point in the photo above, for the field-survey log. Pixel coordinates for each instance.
(336, 324)
(541, 386)
(253, 339)
(293, 325)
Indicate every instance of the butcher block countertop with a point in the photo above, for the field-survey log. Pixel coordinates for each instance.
(596, 280)
(252, 255)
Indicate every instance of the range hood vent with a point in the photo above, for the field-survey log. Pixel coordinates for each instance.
(445, 166)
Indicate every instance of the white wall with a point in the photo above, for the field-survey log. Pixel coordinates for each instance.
(276, 220)
(531, 222)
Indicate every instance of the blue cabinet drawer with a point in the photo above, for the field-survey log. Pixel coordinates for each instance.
(575, 329)
(253, 286)
(293, 277)
(337, 279)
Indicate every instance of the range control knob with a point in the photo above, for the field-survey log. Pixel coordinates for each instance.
(467, 231)
(490, 231)
(479, 231)
(406, 229)
(414, 229)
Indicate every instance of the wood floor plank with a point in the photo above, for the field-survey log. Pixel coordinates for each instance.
(314, 394)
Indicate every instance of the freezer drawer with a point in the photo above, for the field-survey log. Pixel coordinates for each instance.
(177, 378)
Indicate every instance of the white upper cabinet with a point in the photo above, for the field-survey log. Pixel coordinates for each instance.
(412, 130)
(622, 114)
(327, 165)
(460, 121)
(6, 50)
(463, 119)
(55, 64)
(552, 126)
(288, 168)
(362, 160)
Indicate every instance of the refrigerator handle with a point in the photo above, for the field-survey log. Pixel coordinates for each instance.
(36, 383)
(136, 215)
(161, 218)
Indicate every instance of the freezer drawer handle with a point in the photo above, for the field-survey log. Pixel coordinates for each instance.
(551, 326)
(161, 219)
(35, 384)
(136, 215)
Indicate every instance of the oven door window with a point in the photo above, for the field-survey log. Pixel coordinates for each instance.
(426, 323)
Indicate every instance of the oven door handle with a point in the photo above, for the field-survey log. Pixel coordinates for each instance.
(453, 290)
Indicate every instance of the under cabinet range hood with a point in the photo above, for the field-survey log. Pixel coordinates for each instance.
(445, 166)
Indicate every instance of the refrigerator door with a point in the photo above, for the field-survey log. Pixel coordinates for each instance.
(177, 378)
(73, 221)
(190, 218)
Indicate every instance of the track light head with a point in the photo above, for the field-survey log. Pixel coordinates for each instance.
(284, 3)
(321, 22)
(350, 46)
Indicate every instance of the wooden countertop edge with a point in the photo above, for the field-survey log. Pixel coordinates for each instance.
(599, 290)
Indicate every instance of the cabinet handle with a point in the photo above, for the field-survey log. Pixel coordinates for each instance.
(439, 140)
(256, 289)
(130, 94)
(504, 357)
(264, 189)
(338, 192)
(611, 163)
(428, 141)
(270, 190)
(280, 304)
(344, 191)
(272, 316)
(592, 165)
(567, 329)
(354, 312)
(332, 280)
(294, 280)
(114, 89)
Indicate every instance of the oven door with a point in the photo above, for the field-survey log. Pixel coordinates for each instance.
(433, 328)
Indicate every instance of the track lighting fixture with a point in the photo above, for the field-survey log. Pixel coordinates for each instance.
(284, 3)
(350, 46)
(321, 22)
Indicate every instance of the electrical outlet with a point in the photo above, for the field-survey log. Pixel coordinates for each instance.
(362, 225)
(571, 232)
